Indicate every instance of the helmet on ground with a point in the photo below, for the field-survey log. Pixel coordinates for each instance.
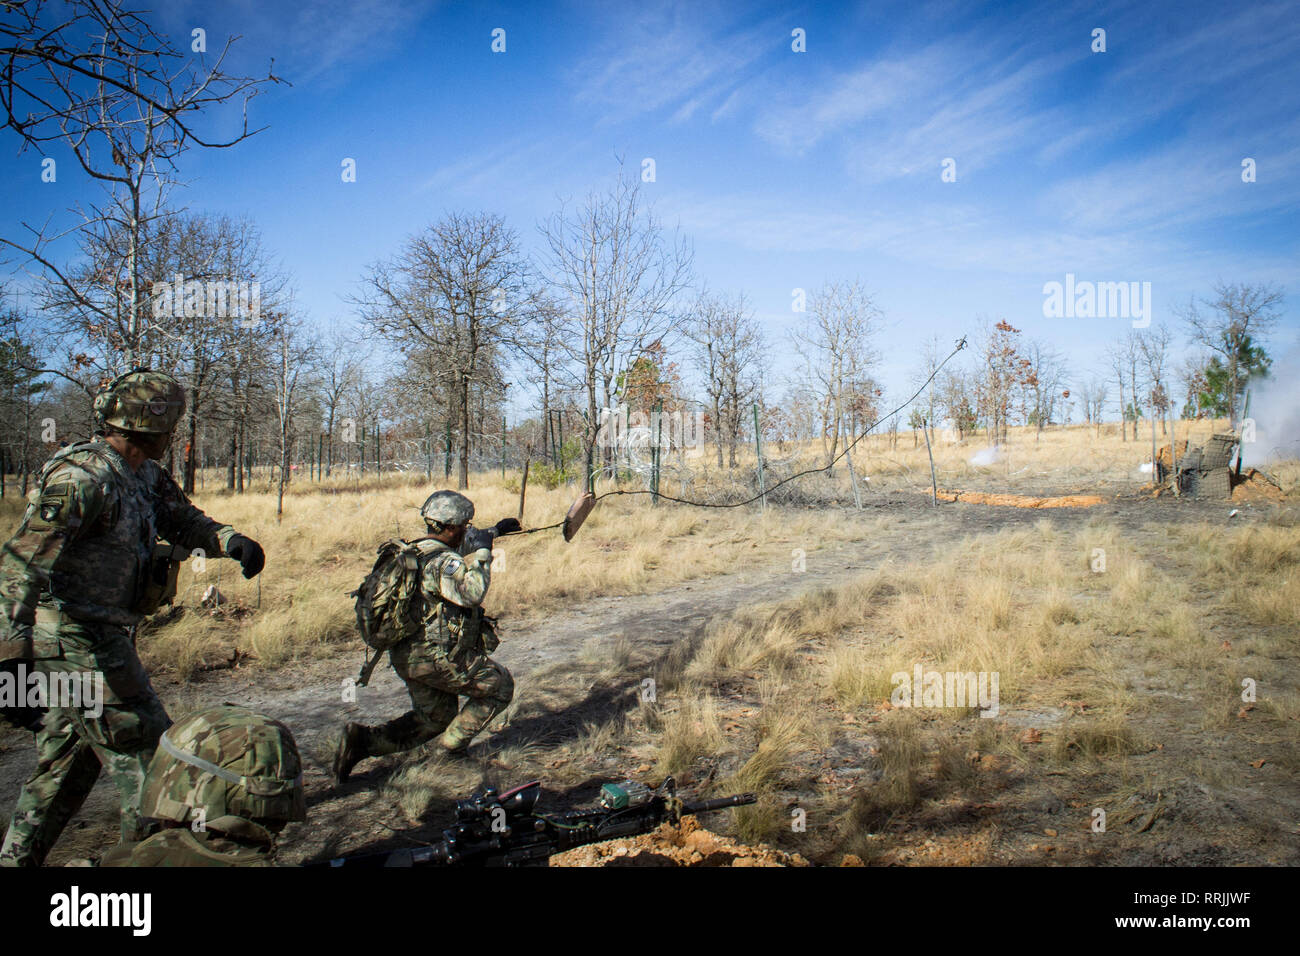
(225, 761)
(141, 401)
(447, 508)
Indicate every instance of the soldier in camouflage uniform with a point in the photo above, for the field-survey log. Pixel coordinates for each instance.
(450, 659)
(224, 782)
(80, 573)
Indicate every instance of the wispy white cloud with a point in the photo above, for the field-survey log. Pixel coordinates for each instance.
(672, 55)
(316, 41)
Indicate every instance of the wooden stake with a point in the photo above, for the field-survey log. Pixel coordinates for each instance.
(934, 484)
(523, 487)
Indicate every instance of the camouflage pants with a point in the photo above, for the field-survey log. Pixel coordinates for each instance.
(72, 745)
(436, 680)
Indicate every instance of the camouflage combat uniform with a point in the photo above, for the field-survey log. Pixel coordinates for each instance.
(450, 660)
(227, 780)
(73, 577)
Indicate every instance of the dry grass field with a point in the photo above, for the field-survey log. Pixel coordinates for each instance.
(772, 639)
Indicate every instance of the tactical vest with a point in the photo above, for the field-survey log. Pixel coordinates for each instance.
(448, 625)
(101, 575)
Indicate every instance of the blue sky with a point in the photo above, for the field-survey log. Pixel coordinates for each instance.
(785, 169)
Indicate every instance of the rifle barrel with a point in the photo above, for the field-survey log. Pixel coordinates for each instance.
(721, 803)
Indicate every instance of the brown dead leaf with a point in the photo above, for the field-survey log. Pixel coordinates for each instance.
(1258, 763)
(1032, 736)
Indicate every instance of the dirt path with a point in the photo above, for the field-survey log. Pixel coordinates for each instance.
(309, 697)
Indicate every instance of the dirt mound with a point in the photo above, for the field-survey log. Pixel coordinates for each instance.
(1021, 501)
(684, 844)
(1255, 485)
(1166, 458)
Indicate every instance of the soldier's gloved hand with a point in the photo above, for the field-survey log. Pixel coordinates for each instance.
(476, 538)
(16, 662)
(507, 526)
(248, 553)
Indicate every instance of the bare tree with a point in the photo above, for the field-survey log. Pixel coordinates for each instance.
(621, 278)
(1044, 384)
(341, 368)
(728, 349)
(98, 79)
(1092, 393)
(835, 345)
(293, 357)
(1153, 344)
(1125, 360)
(1003, 378)
(454, 291)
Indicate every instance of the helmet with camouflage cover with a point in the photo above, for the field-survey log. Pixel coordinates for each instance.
(226, 761)
(447, 508)
(141, 401)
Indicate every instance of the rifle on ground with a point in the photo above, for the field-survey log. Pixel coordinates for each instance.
(505, 829)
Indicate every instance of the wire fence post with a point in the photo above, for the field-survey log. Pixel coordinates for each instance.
(523, 485)
(1173, 448)
(503, 448)
(657, 426)
(1155, 466)
(758, 451)
(853, 475)
(934, 484)
(559, 421)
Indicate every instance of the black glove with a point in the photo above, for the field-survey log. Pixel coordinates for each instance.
(248, 553)
(507, 526)
(476, 538)
(19, 714)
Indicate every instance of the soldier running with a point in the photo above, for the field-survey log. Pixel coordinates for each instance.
(84, 568)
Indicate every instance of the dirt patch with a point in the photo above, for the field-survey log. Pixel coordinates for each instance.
(683, 844)
(1021, 501)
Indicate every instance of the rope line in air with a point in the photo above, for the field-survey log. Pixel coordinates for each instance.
(961, 344)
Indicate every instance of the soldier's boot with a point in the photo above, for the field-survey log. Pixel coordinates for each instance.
(350, 750)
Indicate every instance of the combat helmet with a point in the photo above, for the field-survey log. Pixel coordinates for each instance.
(225, 761)
(447, 508)
(141, 401)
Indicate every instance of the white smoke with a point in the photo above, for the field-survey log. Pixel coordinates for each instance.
(987, 456)
(1275, 412)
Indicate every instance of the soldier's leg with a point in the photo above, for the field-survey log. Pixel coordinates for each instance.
(431, 710)
(125, 721)
(432, 706)
(490, 688)
(66, 770)
(66, 766)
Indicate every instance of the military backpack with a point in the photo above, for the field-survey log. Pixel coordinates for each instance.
(389, 603)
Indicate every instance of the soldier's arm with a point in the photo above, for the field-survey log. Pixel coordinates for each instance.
(66, 506)
(462, 580)
(180, 522)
